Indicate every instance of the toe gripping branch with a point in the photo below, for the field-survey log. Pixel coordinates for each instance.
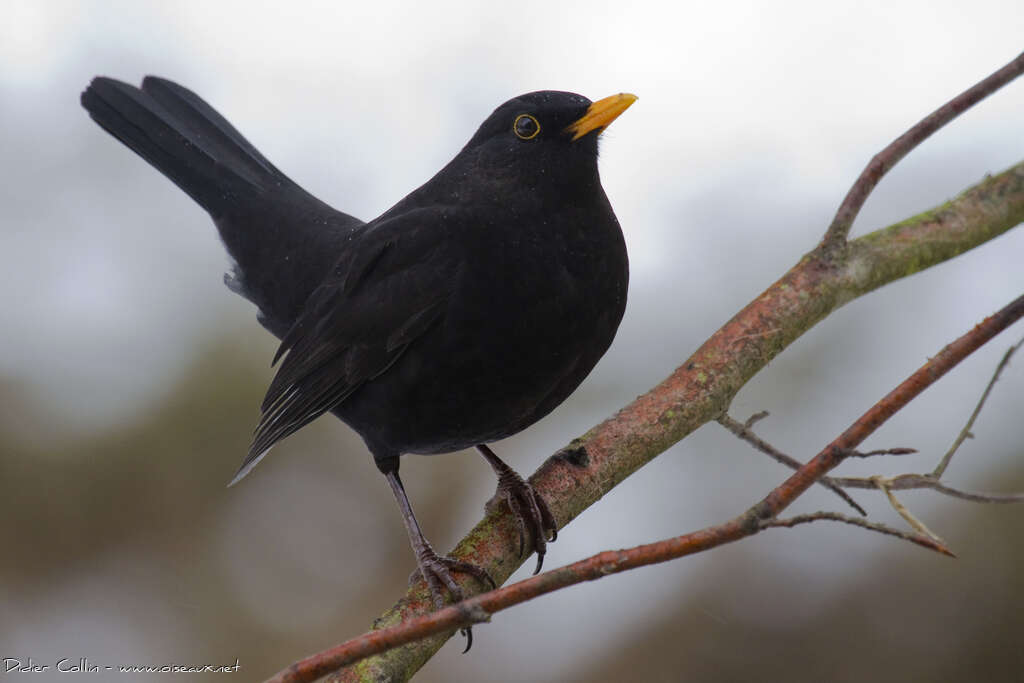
(529, 509)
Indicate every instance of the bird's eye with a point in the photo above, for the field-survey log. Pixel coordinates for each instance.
(525, 127)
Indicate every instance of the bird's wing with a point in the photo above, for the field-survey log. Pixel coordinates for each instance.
(390, 286)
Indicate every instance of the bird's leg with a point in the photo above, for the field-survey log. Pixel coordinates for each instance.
(435, 569)
(526, 504)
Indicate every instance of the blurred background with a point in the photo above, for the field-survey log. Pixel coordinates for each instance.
(130, 377)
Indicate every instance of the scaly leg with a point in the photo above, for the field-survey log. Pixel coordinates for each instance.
(435, 569)
(528, 507)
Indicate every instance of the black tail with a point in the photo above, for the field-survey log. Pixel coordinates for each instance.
(184, 138)
(283, 239)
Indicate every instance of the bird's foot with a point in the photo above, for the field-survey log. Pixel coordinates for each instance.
(436, 571)
(530, 511)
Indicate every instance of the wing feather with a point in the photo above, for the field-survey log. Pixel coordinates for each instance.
(388, 290)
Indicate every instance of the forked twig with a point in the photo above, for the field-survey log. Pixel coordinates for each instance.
(922, 540)
(903, 511)
(882, 162)
(744, 432)
(965, 433)
(900, 482)
(905, 482)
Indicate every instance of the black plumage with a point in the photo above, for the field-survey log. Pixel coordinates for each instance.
(462, 315)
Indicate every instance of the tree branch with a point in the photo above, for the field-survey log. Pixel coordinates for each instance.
(882, 162)
(743, 431)
(440, 624)
(937, 366)
(902, 481)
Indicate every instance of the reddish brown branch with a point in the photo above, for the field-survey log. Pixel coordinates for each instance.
(478, 608)
(838, 450)
(743, 431)
(882, 162)
(471, 611)
(903, 482)
(900, 482)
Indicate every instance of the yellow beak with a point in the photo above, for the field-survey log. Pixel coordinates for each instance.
(600, 114)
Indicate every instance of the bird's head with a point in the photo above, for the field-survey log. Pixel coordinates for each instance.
(546, 136)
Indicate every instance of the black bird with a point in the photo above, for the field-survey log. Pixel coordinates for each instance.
(463, 314)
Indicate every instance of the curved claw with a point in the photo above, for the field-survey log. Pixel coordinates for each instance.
(436, 571)
(530, 511)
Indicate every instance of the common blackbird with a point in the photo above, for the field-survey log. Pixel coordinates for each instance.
(461, 315)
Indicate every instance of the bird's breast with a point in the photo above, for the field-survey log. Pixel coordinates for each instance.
(533, 305)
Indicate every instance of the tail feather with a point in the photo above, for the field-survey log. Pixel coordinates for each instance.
(186, 140)
(282, 239)
(186, 105)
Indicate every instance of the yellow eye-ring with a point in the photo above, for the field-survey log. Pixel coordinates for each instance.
(526, 127)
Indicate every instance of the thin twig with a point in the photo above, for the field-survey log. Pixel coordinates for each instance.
(903, 511)
(743, 431)
(472, 610)
(883, 451)
(882, 162)
(919, 539)
(906, 482)
(755, 418)
(965, 433)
